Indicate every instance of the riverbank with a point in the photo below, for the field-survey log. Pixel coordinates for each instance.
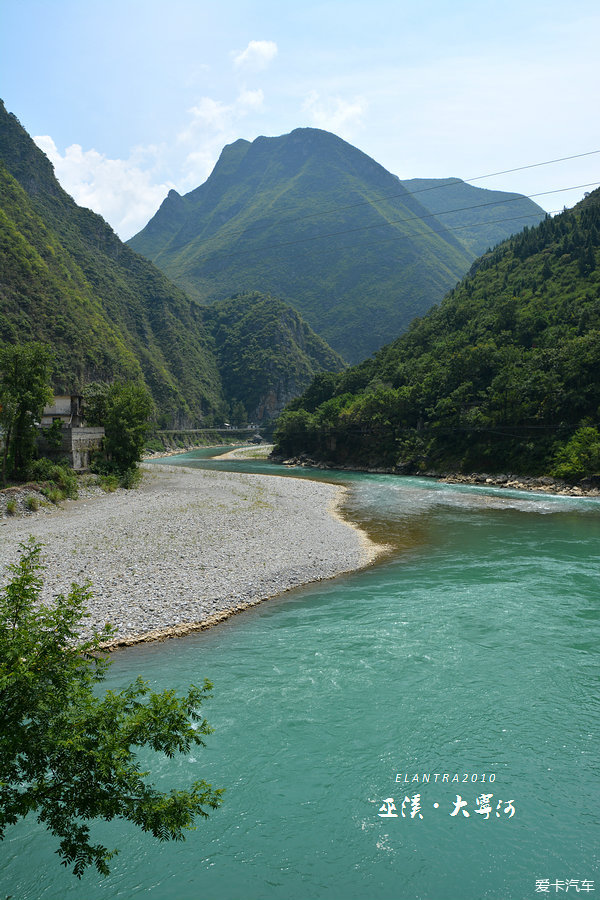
(587, 487)
(190, 547)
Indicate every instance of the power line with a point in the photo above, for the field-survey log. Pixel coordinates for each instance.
(319, 237)
(534, 165)
(458, 227)
(406, 193)
(449, 183)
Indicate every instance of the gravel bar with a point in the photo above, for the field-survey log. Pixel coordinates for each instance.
(190, 547)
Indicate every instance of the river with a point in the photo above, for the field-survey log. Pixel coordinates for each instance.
(470, 652)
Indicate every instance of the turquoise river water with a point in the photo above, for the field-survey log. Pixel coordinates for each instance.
(471, 652)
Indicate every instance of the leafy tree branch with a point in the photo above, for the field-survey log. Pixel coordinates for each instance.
(67, 755)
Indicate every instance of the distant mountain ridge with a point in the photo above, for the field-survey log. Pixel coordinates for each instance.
(313, 220)
(480, 218)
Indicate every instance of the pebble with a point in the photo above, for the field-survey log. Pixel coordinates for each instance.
(190, 547)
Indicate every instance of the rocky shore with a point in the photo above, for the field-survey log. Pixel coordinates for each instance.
(587, 487)
(190, 547)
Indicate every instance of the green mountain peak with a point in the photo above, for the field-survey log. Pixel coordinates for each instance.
(311, 219)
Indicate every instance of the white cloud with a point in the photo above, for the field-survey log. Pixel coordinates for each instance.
(212, 125)
(342, 117)
(256, 56)
(122, 191)
(220, 116)
(127, 192)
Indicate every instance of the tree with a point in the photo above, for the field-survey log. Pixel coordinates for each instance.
(25, 389)
(580, 456)
(239, 416)
(95, 395)
(68, 755)
(127, 415)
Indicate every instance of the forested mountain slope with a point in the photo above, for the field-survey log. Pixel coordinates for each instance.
(504, 374)
(266, 353)
(67, 279)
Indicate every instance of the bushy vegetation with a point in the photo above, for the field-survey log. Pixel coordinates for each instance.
(24, 391)
(503, 375)
(126, 411)
(68, 755)
(58, 481)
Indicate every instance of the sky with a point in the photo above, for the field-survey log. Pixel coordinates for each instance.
(130, 98)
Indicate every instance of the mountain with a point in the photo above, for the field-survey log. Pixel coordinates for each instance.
(502, 376)
(304, 218)
(67, 279)
(266, 353)
(316, 222)
(478, 217)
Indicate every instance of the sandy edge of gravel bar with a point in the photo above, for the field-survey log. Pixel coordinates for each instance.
(190, 548)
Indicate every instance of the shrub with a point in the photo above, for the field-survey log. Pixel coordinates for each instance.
(11, 507)
(60, 476)
(108, 483)
(131, 478)
(578, 457)
(53, 494)
(129, 407)
(69, 755)
(32, 503)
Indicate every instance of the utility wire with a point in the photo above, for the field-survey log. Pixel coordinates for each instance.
(396, 237)
(406, 193)
(449, 183)
(319, 237)
(534, 165)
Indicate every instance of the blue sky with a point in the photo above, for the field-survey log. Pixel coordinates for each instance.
(132, 97)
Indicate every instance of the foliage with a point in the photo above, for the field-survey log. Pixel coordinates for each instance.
(500, 377)
(61, 479)
(54, 435)
(24, 391)
(69, 756)
(154, 445)
(579, 456)
(130, 478)
(95, 396)
(108, 483)
(127, 423)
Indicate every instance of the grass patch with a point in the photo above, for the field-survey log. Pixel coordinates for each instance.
(53, 494)
(108, 483)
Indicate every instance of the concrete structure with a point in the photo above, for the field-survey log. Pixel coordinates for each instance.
(77, 441)
(66, 408)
